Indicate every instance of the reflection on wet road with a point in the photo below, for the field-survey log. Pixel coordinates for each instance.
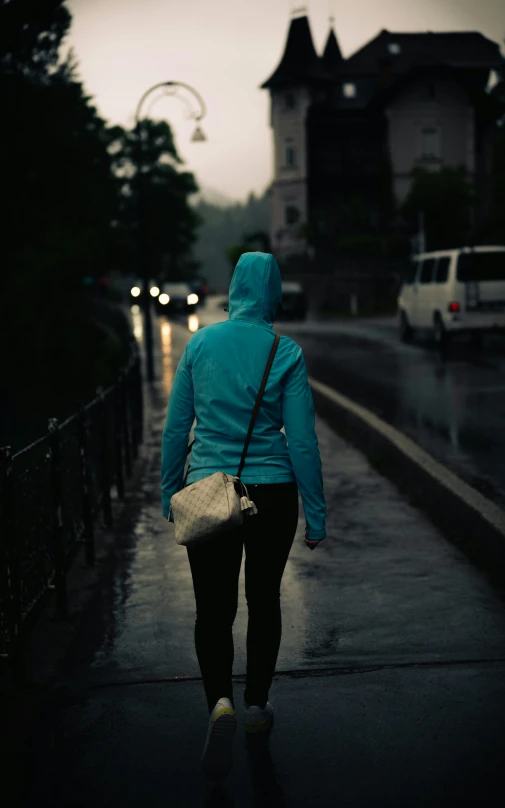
(427, 600)
(169, 343)
(454, 407)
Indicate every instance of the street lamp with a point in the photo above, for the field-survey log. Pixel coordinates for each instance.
(198, 136)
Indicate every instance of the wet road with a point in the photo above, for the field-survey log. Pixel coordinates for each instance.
(453, 407)
(389, 689)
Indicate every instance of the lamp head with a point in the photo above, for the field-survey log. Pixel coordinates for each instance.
(198, 136)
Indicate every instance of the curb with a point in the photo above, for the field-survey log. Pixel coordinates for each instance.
(471, 521)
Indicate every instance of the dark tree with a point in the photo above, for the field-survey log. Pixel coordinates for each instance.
(171, 222)
(446, 197)
(31, 33)
(60, 197)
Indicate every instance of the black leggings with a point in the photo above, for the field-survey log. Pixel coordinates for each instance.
(215, 567)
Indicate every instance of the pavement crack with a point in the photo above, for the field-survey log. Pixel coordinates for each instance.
(294, 673)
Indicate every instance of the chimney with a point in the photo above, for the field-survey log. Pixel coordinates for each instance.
(384, 72)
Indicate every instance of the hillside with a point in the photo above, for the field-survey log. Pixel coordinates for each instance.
(211, 197)
(222, 227)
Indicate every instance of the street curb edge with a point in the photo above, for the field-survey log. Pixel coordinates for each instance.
(474, 523)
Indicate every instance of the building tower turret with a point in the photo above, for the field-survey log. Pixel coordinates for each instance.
(293, 87)
(332, 56)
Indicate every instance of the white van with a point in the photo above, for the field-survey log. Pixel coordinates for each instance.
(454, 291)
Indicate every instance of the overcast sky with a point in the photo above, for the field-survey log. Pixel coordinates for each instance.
(225, 49)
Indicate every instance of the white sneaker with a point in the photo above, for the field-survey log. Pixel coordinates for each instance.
(217, 757)
(258, 719)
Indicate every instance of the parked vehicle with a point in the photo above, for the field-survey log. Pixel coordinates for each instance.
(454, 292)
(199, 287)
(294, 300)
(176, 298)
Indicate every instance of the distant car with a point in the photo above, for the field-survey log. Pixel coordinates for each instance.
(177, 298)
(199, 287)
(452, 292)
(137, 290)
(294, 299)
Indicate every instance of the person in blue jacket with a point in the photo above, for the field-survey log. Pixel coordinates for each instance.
(216, 383)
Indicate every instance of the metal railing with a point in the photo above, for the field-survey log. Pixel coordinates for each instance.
(51, 495)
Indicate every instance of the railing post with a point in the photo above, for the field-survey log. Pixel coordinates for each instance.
(136, 405)
(60, 581)
(132, 407)
(125, 419)
(104, 460)
(132, 399)
(139, 397)
(89, 536)
(118, 448)
(11, 577)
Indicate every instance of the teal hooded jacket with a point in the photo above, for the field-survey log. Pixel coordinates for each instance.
(217, 381)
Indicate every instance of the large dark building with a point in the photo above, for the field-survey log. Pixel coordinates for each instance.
(348, 132)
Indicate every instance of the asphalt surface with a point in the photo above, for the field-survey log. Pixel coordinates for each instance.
(454, 407)
(390, 682)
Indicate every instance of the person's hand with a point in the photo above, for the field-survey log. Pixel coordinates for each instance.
(312, 544)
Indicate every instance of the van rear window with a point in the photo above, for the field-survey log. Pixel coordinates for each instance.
(427, 268)
(442, 270)
(478, 266)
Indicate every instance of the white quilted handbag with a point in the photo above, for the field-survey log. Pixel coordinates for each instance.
(217, 503)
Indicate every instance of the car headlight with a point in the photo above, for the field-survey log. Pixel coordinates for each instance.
(154, 291)
(192, 299)
(135, 291)
(164, 299)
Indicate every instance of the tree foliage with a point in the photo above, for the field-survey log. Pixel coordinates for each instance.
(31, 33)
(229, 228)
(68, 183)
(446, 197)
(258, 241)
(60, 194)
(149, 157)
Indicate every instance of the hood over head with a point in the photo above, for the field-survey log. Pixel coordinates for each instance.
(255, 288)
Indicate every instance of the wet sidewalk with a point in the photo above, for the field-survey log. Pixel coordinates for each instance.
(390, 682)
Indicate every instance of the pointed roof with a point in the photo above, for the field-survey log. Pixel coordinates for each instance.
(300, 62)
(332, 56)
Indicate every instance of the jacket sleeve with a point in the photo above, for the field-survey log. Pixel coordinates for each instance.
(178, 423)
(299, 425)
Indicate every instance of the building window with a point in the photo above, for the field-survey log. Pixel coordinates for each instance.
(349, 90)
(492, 81)
(292, 214)
(290, 153)
(430, 143)
(289, 101)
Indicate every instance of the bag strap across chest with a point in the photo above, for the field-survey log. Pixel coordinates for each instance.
(255, 411)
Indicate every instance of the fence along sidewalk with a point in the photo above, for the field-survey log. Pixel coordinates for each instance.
(51, 494)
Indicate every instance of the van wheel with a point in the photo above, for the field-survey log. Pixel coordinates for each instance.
(406, 331)
(440, 335)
